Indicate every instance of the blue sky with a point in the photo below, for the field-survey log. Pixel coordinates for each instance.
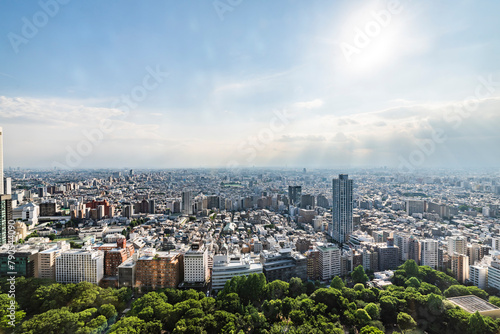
(228, 78)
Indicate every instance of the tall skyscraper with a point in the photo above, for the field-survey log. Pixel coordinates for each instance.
(295, 195)
(187, 206)
(5, 217)
(342, 209)
(429, 253)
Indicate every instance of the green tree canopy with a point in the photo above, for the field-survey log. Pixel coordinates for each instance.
(370, 330)
(337, 283)
(359, 276)
(373, 310)
(411, 268)
(406, 322)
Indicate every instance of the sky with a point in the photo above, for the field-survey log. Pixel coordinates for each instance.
(235, 83)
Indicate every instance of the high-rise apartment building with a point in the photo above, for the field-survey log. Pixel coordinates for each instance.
(196, 264)
(388, 255)
(479, 276)
(187, 205)
(403, 242)
(342, 209)
(460, 267)
(414, 249)
(5, 217)
(78, 265)
(313, 264)
(494, 275)
(329, 261)
(475, 253)
(457, 244)
(429, 253)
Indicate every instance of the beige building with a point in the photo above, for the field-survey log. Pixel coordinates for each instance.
(46, 260)
(460, 266)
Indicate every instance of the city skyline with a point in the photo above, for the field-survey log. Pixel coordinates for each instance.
(253, 84)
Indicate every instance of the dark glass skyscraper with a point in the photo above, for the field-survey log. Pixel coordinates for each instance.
(341, 226)
(295, 194)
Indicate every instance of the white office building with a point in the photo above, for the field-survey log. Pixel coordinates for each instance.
(78, 265)
(196, 264)
(429, 253)
(329, 261)
(226, 267)
(479, 276)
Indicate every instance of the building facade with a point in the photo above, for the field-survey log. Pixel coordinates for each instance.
(429, 253)
(78, 265)
(342, 209)
(329, 261)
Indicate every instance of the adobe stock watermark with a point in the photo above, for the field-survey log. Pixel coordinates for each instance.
(371, 30)
(31, 26)
(455, 117)
(223, 6)
(254, 144)
(11, 270)
(126, 103)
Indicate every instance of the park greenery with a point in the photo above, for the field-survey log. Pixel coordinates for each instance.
(415, 303)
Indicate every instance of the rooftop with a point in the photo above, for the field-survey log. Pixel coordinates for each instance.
(473, 303)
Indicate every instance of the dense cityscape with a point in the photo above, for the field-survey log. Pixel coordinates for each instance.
(197, 229)
(249, 167)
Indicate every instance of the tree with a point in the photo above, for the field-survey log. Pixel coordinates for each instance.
(362, 317)
(411, 268)
(406, 322)
(477, 325)
(107, 310)
(389, 306)
(358, 275)
(370, 330)
(413, 282)
(495, 300)
(337, 283)
(426, 288)
(5, 313)
(296, 287)
(359, 287)
(277, 289)
(52, 321)
(373, 310)
(456, 291)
